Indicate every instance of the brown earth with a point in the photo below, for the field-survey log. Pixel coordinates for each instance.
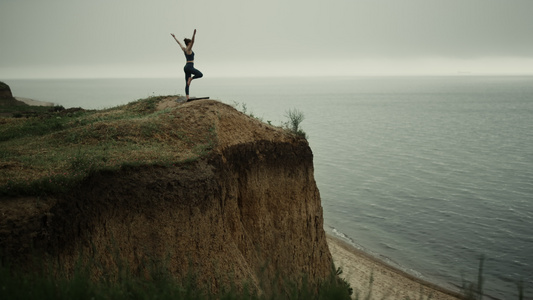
(248, 211)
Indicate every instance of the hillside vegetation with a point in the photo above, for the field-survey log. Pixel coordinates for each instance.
(49, 152)
(199, 188)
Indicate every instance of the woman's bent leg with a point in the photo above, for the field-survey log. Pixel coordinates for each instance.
(189, 71)
(197, 74)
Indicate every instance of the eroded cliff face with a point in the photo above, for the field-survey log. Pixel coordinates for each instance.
(249, 211)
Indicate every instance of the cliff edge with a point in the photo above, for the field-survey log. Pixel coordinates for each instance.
(6, 97)
(241, 206)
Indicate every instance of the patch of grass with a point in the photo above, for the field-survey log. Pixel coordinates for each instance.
(242, 107)
(36, 126)
(295, 118)
(152, 281)
(208, 144)
(144, 106)
(52, 152)
(19, 111)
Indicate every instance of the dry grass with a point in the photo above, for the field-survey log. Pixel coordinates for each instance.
(51, 152)
(60, 148)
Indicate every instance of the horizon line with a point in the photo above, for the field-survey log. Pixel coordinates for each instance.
(458, 74)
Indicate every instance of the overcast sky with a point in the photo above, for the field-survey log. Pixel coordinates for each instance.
(110, 38)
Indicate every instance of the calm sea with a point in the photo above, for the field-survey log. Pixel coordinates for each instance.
(426, 173)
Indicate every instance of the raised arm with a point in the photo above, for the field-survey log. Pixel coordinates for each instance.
(181, 46)
(189, 47)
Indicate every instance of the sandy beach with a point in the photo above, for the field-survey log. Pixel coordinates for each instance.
(388, 282)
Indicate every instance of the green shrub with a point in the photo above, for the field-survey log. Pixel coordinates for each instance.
(295, 118)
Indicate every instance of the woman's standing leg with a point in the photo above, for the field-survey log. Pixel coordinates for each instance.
(189, 71)
(187, 83)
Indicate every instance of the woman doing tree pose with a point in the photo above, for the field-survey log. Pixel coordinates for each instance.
(189, 66)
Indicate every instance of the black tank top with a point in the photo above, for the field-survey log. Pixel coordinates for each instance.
(189, 57)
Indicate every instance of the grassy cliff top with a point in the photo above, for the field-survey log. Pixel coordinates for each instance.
(52, 151)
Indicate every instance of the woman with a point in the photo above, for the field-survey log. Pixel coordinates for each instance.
(189, 66)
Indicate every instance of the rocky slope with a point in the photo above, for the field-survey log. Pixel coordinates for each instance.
(249, 210)
(5, 91)
(6, 97)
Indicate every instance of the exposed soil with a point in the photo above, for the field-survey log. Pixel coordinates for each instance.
(248, 211)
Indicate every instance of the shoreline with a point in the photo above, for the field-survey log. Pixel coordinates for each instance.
(359, 269)
(32, 102)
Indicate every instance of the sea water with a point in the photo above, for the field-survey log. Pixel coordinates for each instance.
(428, 174)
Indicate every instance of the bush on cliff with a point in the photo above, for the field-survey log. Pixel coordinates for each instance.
(295, 117)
